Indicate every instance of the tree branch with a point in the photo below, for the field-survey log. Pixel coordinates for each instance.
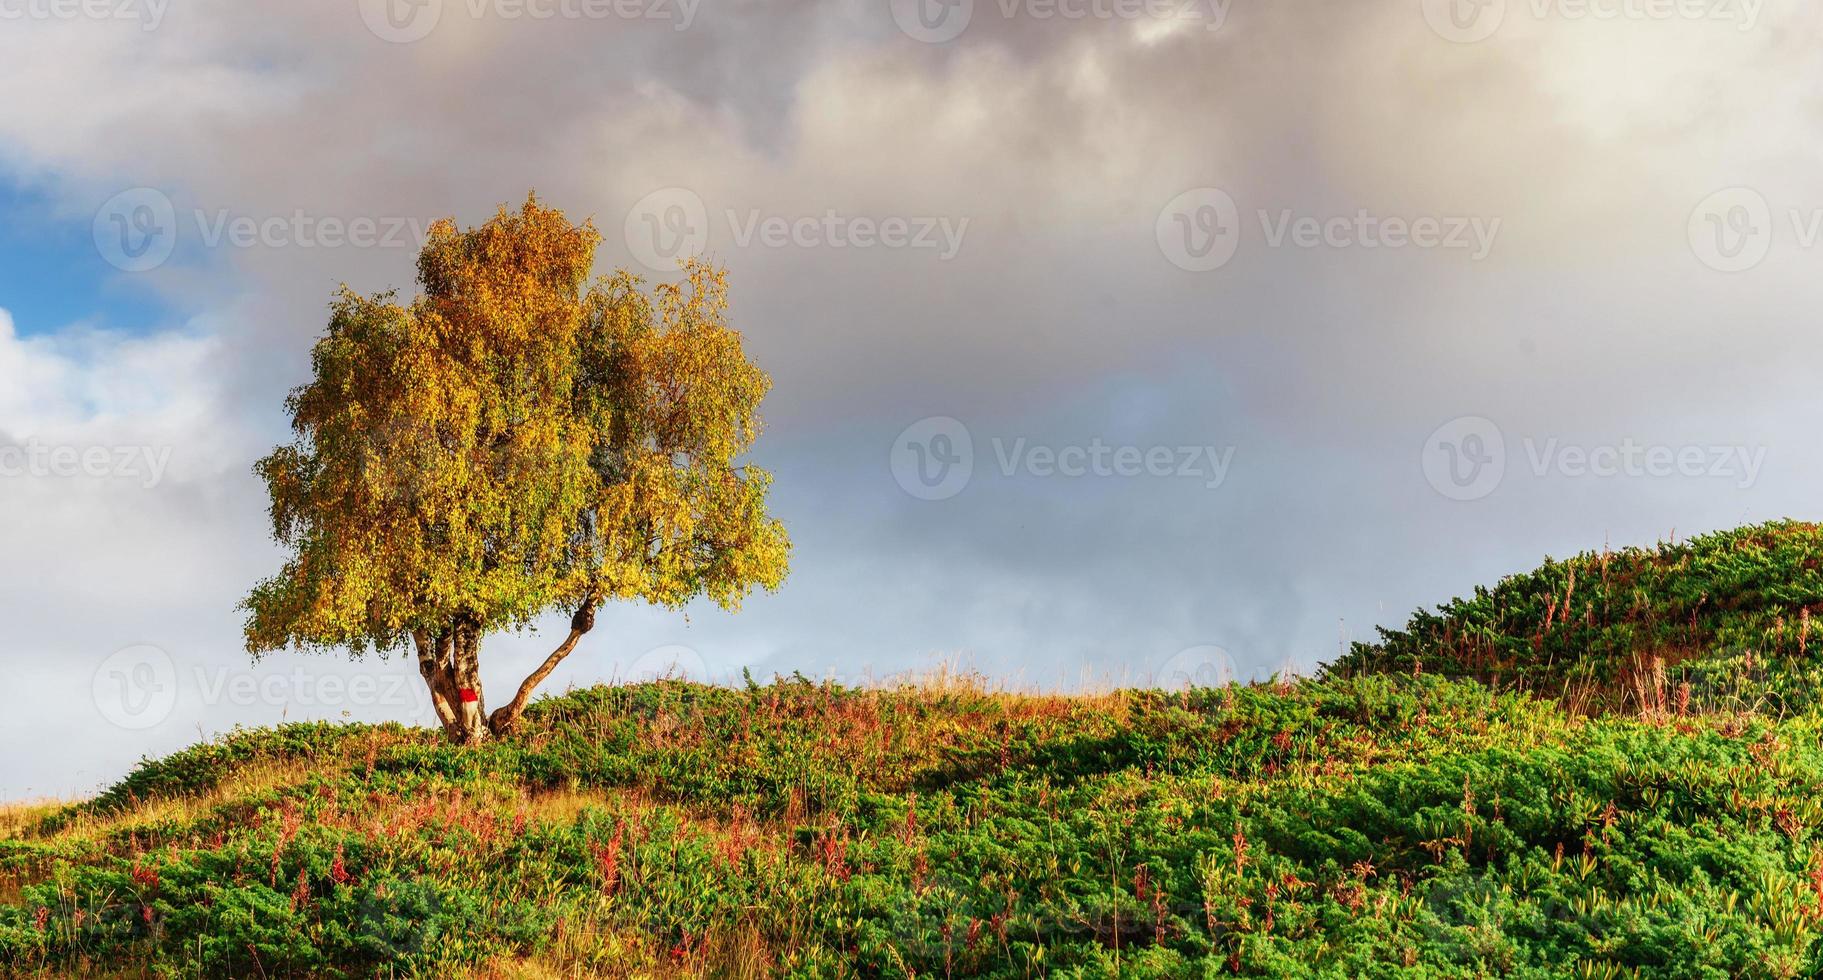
(506, 718)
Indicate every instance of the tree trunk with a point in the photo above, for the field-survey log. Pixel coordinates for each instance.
(434, 665)
(506, 718)
(450, 665)
(471, 711)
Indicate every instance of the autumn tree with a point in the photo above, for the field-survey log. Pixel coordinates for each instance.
(520, 439)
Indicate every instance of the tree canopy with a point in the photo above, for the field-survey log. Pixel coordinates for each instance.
(520, 438)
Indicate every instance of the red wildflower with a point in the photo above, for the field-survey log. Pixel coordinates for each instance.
(607, 861)
(338, 872)
(300, 896)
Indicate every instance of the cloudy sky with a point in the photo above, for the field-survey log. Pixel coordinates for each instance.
(1113, 340)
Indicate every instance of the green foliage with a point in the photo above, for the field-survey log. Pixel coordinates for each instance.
(1728, 613)
(517, 438)
(1383, 825)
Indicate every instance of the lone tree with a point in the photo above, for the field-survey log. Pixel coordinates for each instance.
(518, 440)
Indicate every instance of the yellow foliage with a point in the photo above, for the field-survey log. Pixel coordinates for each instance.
(519, 438)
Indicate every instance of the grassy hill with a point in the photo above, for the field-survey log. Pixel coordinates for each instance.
(1383, 821)
(1728, 614)
(1374, 826)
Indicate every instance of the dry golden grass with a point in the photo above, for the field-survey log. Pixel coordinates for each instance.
(25, 821)
(249, 780)
(604, 953)
(948, 679)
(562, 807)
(18, 819)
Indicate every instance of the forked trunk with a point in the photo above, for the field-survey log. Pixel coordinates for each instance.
(450, 663)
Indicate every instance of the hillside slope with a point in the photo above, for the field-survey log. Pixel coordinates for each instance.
(1728, 614)
(1376, 826)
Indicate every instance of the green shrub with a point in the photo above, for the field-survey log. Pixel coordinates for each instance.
(1382, 825)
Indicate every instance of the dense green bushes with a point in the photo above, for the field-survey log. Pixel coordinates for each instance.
(1626, 628)
(1370, 826)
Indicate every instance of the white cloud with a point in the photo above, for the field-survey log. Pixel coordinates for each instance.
(1059, 142)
